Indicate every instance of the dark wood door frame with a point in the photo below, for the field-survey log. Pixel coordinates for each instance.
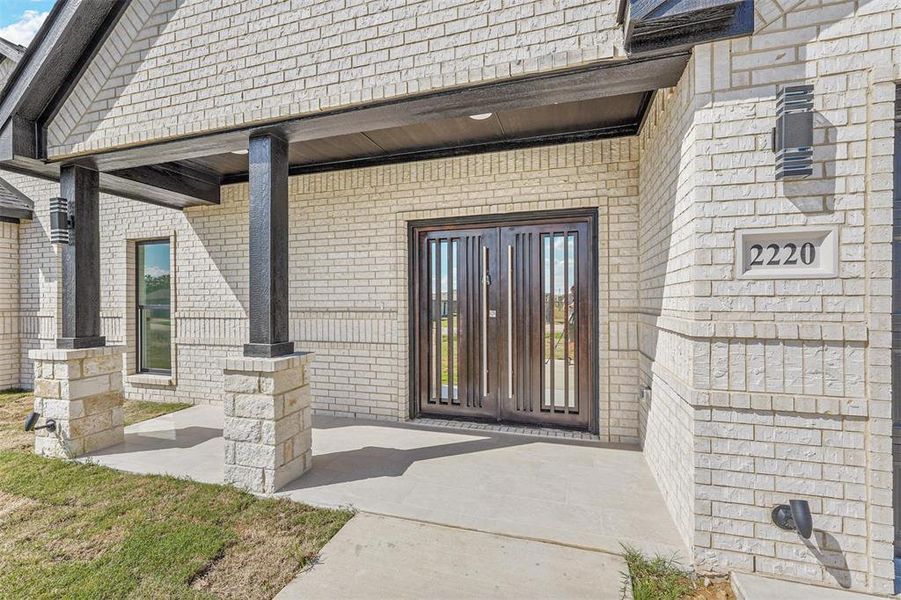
(415, 227)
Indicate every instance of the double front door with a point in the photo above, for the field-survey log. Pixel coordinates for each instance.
(504, 320)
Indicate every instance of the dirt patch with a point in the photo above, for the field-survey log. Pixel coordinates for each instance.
(719, 589)
(273, 546)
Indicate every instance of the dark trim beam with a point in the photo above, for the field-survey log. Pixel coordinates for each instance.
(52, 107)
(611, 78)
(191, 185)
(159, 172)
(161, 186)
(268, 176)
(52, 56)
(17, 139)
(81, 260)
(445, 152)
(654, 26)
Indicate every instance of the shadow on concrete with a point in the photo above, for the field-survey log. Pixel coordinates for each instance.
(164, 439)
(375, 461)
(381, 461)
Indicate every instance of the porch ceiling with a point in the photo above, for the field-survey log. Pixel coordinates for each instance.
(592, 100)
(553, 123)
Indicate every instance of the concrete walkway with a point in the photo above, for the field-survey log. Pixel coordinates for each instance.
(384, 557)
(480, 513)
(755, 587)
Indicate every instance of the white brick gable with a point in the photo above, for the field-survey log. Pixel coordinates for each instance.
(171, 68)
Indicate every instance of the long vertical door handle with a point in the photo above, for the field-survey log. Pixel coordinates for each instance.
(485, 282)
(510, 321)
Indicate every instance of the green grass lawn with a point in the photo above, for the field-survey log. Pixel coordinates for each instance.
(661, 578)
(84, 531)
(137, 411)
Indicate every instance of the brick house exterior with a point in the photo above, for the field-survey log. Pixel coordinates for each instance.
(741, 392)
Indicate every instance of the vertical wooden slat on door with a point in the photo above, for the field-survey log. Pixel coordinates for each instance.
(520, 352)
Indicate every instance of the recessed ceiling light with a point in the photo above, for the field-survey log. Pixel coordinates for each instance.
(239, 151)
(480, 116)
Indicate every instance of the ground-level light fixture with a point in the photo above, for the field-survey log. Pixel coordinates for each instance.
(794, 516)
(480, 116)
(31, 423)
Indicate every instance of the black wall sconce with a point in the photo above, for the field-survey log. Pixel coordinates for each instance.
(60, 221)
(793, 134)
(31, 423)
(794, 516)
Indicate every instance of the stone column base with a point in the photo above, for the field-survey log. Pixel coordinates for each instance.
(81, 390)
(268, 421)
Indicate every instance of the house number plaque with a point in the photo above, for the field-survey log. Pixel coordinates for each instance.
(786, 253)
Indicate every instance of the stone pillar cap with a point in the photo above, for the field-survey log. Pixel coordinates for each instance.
(266, 365)
(73, 354)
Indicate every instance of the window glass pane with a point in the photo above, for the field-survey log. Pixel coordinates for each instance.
(154, 310)
(153, 273)
(155, 346)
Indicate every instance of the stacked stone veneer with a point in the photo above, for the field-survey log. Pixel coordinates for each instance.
(767, 390)
(82, 391)
(10, 342)
(268, 421)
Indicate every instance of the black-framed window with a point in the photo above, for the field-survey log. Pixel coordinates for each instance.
(154, 314)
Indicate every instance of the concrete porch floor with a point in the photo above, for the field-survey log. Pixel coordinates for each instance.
(578, 494)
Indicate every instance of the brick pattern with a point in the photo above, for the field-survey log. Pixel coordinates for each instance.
(787, 390)
(178, 67)
(82, 391)
(757, 391)
(9, 305)
(666, 255)
(268, 426)
(349, 283)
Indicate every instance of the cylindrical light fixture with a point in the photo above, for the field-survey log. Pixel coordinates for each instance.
(59, 221)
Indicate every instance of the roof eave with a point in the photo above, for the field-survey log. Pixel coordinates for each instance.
(10, 50)
(13, 203)
(659, 25)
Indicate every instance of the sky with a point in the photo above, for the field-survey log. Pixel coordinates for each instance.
(20, 19)
(156, 259)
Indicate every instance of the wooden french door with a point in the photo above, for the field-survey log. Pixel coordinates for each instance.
(504, 315)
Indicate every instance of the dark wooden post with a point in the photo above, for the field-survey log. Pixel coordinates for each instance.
(268, 162)
(81, 260)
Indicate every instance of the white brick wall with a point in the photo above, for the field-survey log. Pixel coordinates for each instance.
(177, 67)
(9, 305)
(760, 391)
(348, 246)
(786, 393)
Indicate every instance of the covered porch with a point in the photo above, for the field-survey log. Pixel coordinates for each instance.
(580, 494)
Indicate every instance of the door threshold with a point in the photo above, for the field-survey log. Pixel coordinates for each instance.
(513, 429)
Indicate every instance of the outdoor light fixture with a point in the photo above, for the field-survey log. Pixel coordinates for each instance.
(480, 116)
(794, 516)
(793, 134)
(239, 151)
(32, 420)
(60, 222)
